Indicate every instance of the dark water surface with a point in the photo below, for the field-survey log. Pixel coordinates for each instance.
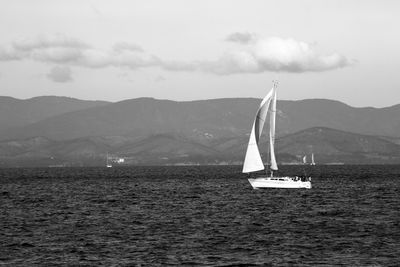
(210, 216)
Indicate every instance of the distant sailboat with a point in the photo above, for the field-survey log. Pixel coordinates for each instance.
(253, 161)
(108, 163)
(312, 159)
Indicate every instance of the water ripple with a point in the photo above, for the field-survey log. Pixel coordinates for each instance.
(198, 216)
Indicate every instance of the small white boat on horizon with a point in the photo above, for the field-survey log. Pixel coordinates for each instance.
(312, 159)
(253, 161)
(108, 163)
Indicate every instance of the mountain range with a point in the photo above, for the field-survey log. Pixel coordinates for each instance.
(50, 130)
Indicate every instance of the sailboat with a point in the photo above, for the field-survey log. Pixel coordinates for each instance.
(253, 161)
(109, 165)
(312, 159)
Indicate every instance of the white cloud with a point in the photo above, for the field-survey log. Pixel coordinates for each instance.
(252, 54)
(63, 50)
(60, 74)
(278, 55)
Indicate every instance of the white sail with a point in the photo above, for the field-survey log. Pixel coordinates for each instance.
(253, 161)
(304, 159)
(312, 159)
(272, 118)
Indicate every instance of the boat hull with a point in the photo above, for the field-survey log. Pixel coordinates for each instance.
(279, 182)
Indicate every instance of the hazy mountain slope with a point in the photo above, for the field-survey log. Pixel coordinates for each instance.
(303, 114)
(395, 140)
(208, 119)
(328, 145)
(165, 144)
(333, 145)
(15, 112)
(81, 147)
(167, 148)
(144, 116)
(21, 147)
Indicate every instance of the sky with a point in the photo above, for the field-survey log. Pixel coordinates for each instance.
(346, 50)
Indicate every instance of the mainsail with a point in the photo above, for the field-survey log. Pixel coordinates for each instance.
(272, 117)
(253, 161)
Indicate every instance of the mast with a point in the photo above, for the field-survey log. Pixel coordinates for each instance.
(267, 161)
(272, 119)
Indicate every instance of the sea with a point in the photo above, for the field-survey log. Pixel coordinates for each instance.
(198, 216)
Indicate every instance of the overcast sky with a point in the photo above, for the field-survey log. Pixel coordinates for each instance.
(346, 50)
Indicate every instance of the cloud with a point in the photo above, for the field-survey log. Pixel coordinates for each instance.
(60, 49)
(7, 53)
(241, 37)
(60, 74)
(275, 54)
(47, 41)
(120, 47)
(254, 54)
(250, 54)
(57, 48)
(53, 49)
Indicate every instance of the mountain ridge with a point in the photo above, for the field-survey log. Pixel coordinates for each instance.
(216, 117)
(16, 112)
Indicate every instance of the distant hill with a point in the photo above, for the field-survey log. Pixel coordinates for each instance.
(206, 119)
(303, 114)
(47, 131)
(167, 148)
(334, 146)
(328, 146)
(16, 112)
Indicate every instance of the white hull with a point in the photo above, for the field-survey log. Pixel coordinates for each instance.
(279, 182)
